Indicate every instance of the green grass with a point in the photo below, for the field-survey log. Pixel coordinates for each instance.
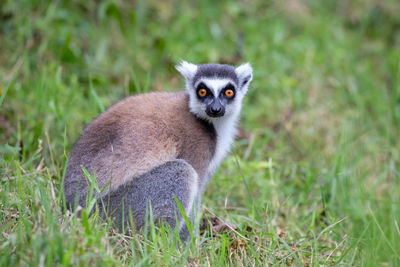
(313, 178)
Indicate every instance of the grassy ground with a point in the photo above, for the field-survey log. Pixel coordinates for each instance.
(314, 175)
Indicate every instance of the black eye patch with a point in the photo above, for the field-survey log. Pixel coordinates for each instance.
(228, 92)
(203, 91)
(201, 86)
(229, 86)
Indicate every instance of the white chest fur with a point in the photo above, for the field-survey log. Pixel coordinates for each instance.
(226, 131)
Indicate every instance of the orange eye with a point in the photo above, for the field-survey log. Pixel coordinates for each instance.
(229, 93)
(202, 92)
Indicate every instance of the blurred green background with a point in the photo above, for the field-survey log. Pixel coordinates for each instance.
(313, 178)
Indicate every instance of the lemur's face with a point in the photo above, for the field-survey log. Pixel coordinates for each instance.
(215, 90)
(214, 96)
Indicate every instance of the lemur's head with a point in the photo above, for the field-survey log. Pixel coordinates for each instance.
(215, 90)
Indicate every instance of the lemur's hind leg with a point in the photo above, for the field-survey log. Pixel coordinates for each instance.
(157, 189)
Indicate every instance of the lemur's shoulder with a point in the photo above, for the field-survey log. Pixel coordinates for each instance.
(134, 111)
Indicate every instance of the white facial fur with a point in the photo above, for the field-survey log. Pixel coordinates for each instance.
(225, 126)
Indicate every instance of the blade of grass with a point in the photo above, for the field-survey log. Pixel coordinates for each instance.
(3, 95)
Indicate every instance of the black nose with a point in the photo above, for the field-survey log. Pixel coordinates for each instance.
(216, 110)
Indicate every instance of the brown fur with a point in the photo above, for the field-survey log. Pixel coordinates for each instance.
(136, 135)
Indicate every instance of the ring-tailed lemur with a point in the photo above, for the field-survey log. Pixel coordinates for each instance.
(149, 148)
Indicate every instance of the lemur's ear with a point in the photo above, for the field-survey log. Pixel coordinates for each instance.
(188, 70)
(245, 74)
